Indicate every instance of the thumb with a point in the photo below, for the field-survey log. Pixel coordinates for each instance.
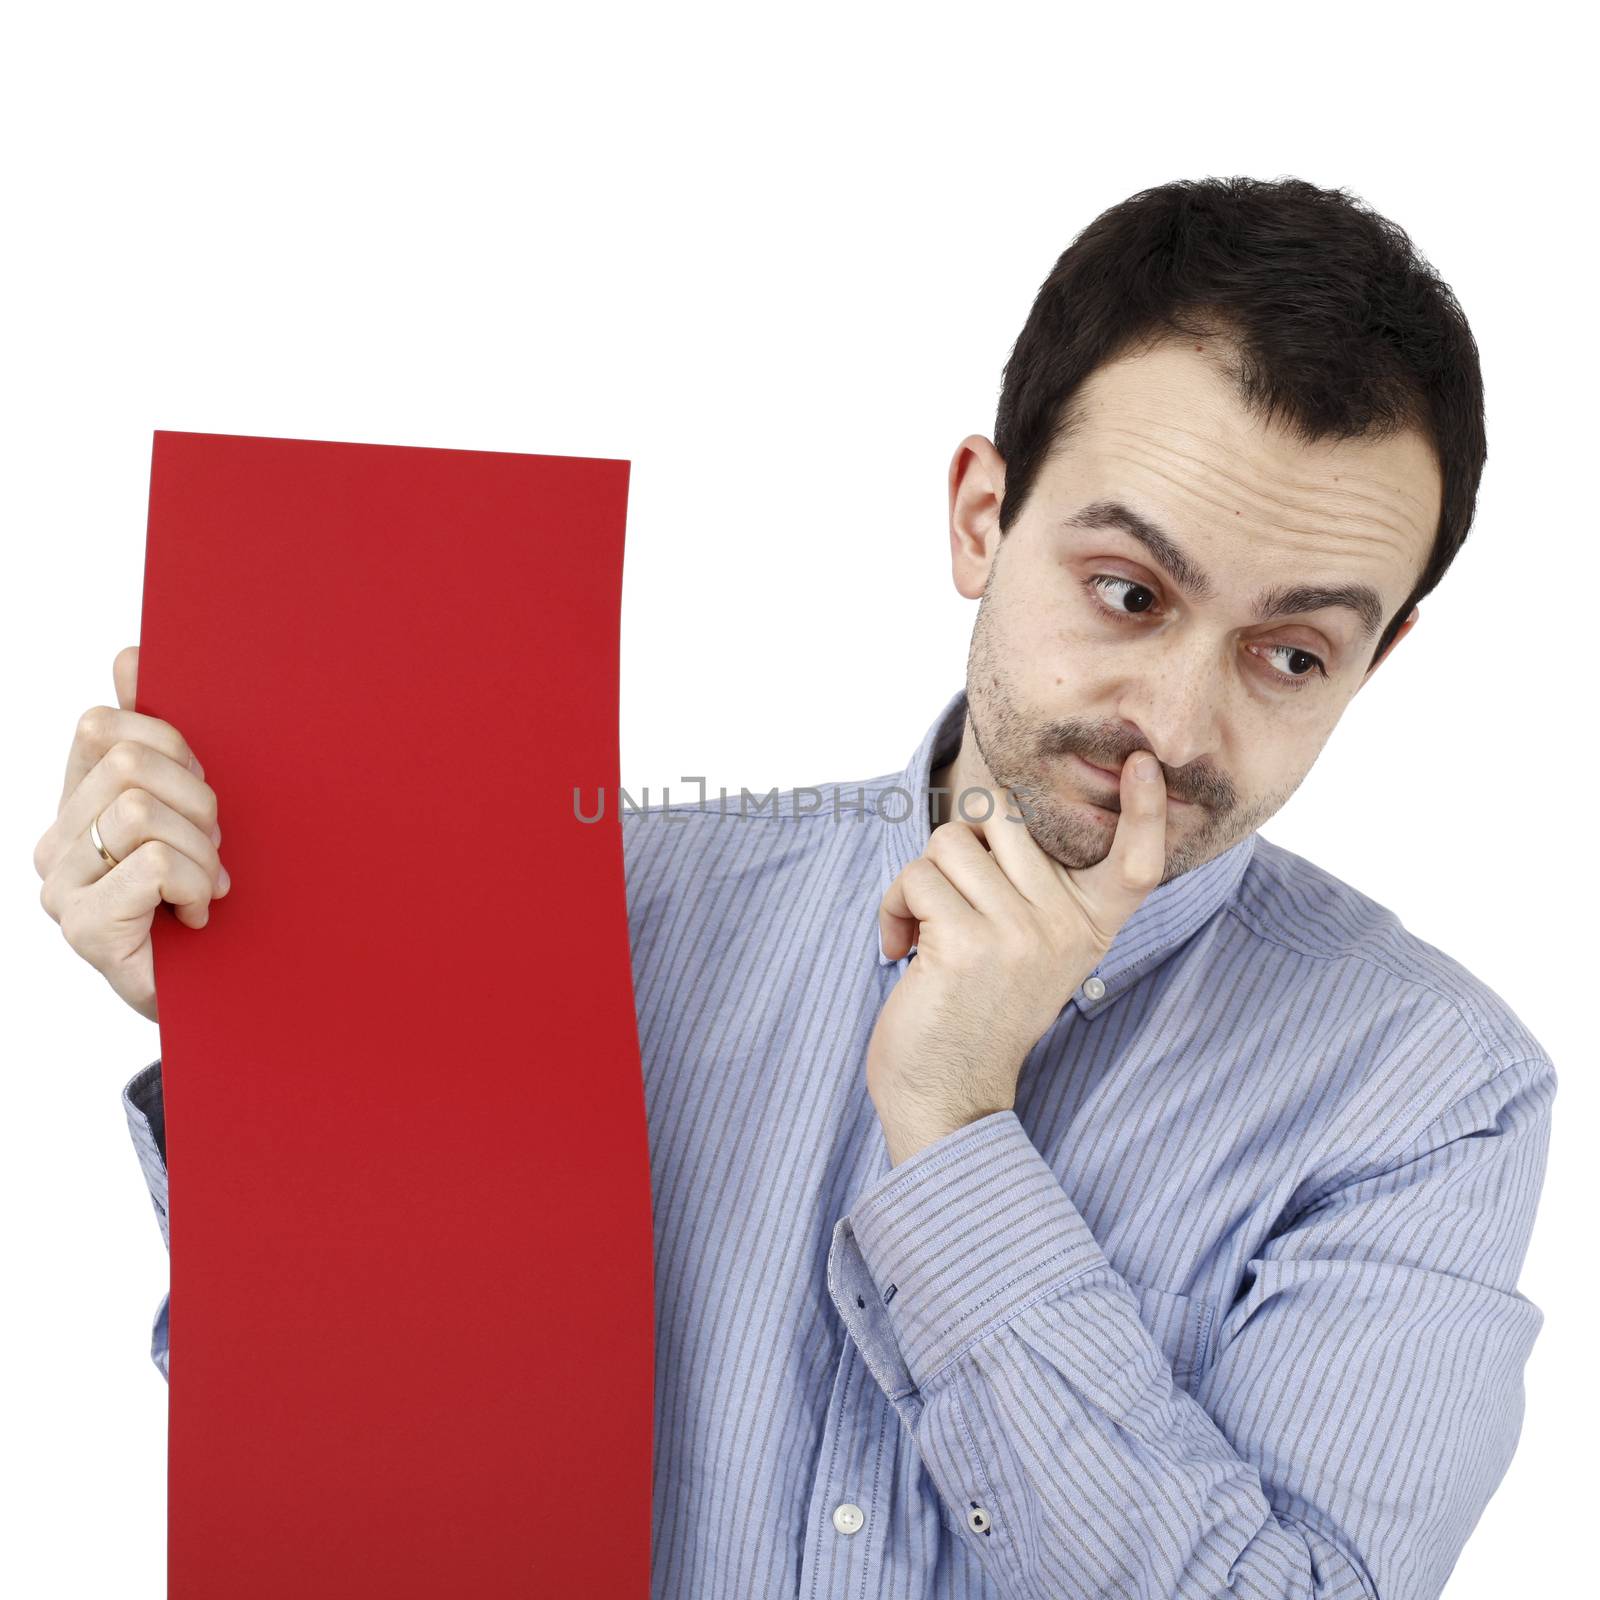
(125, 674)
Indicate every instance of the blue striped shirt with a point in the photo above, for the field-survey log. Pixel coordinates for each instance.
(1226, 1305)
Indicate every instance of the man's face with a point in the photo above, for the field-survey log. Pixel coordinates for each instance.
(1087, 646)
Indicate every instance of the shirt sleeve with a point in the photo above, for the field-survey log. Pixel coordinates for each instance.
(142, 1104)
(1359, 1401)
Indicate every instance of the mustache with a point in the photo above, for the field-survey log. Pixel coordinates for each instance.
(1198, 789)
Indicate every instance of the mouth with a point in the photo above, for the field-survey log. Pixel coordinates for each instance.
(1113, 782)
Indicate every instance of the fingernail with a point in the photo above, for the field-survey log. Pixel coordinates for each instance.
(195, 767)
(1145, 767)
(223, 880)
(216, 834)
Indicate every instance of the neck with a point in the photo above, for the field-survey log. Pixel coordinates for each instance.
(966, 771)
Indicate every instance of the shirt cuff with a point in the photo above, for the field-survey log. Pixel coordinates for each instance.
(142, 1105)
(963, 1235)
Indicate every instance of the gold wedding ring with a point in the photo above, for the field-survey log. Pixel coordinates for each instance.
(99, 843)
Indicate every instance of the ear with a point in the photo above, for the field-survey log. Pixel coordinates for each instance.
(1404, 629)
(977, 489)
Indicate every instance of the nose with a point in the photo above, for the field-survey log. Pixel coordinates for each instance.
(1173, 706)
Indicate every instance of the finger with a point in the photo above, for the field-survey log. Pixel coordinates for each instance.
(133, 889)
(960, 852)
(101, 727)
(127, 764)
(134, 817)
(1033, 874)
(1133, 865)
(919, 894)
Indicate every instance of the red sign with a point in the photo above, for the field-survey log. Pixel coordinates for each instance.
(412, 1292)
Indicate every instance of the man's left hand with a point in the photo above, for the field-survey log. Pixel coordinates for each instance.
(1004, 934)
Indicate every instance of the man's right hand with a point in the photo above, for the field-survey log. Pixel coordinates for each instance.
(157, 816)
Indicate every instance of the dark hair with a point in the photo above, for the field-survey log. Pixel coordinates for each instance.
(1331, 320)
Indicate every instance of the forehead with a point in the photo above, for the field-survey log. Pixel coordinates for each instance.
(1165, 432)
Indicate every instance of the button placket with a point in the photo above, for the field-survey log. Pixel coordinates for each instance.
(849, 1510)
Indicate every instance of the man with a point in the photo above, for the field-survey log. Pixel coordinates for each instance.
(1059, 1188)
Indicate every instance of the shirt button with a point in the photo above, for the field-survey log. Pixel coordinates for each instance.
(1094, 988)
(978, 1520)
(848, 1518)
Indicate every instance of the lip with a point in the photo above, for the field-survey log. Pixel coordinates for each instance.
(1115, 780)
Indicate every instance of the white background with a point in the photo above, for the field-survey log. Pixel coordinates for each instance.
(777, 260)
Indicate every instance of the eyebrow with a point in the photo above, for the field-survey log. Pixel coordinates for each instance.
(1280, 601)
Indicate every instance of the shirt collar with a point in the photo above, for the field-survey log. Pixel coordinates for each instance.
(1169, 915)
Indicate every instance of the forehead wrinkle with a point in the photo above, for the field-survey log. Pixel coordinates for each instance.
(1270, 509)
(1104, 395)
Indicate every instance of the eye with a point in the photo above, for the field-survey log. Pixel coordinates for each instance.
(1146, 600)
